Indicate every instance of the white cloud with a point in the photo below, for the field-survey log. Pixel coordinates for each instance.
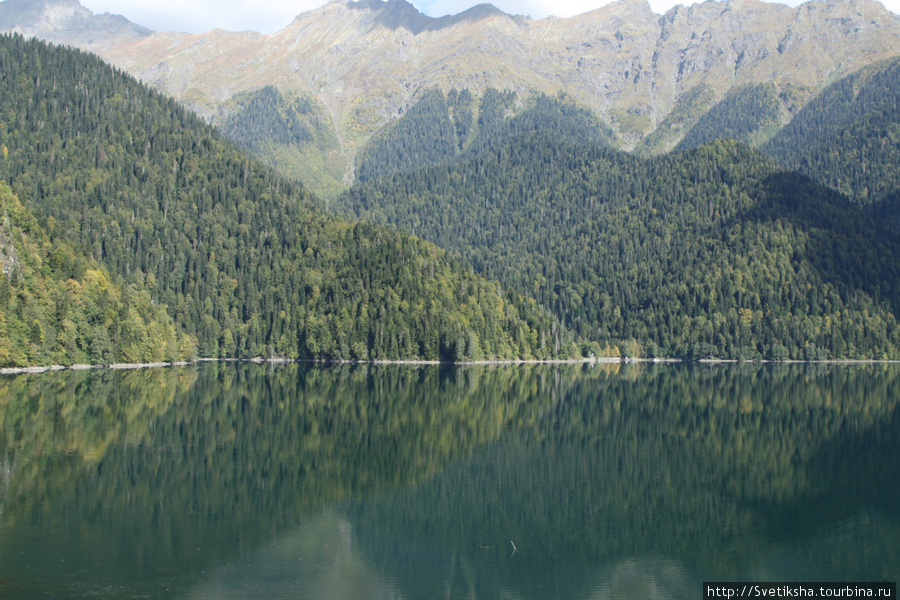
(267, 16)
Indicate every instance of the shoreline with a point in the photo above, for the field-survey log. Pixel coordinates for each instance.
(37, 370)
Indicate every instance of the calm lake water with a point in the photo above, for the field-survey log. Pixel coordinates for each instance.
(231, 481)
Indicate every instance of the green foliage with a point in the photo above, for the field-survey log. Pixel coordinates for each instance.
(424, 135)
(438, 128)
(745, 114)
(292, 134)
(56, 307)
(461, 106)
(245, 261)
(713, 252)
(691, 106)
(848, 138)
(266, 114)
(559, 117)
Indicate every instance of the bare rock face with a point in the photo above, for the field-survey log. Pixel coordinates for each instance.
(365, 61)
(67, 22)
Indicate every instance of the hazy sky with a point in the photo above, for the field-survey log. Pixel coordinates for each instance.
(267, 16)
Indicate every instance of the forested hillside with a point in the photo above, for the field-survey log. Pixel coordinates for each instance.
(243, 260)
(848, 138)
(58, 307)
(438, 128)
(713, 252)
(291, 133)
(748, 114)
(691, 106)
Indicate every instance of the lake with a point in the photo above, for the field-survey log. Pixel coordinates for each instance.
(243, 481)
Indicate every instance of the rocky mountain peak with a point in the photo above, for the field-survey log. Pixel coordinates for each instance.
(26, 12)
(626, 7)
(400, 14)
(67, 22)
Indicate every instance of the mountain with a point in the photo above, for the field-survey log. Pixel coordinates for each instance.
(848, 138)
(713, 250)
(438, 128)
(68, 22)
(244, 261)
(292, 133)
(710, 252)
(747, 114)
(362, 64)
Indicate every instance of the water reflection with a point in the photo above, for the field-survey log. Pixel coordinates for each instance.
(698, 470)
(246, 481)
(315, 560)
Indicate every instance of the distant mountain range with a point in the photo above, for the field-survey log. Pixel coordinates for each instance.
(359, 65)
(68, 22)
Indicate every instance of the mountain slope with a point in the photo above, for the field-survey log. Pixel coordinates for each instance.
(68, 22)
(56, 307)
(848, 138)
(710, 252)
(292, 133)
(437, 128)
(242, 259)
(746, 114)
(367, 62)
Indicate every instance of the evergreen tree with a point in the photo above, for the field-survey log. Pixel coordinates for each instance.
(712, 252)
(848, 138)
(245, 262)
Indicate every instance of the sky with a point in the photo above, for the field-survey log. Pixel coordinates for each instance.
(268, 16)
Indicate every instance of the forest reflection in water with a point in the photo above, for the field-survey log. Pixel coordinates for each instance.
(536, 481)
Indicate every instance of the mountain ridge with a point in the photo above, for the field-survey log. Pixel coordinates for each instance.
(366, 62)
(67, 22)
(400, 13)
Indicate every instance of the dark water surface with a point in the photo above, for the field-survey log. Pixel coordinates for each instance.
(225, 481)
